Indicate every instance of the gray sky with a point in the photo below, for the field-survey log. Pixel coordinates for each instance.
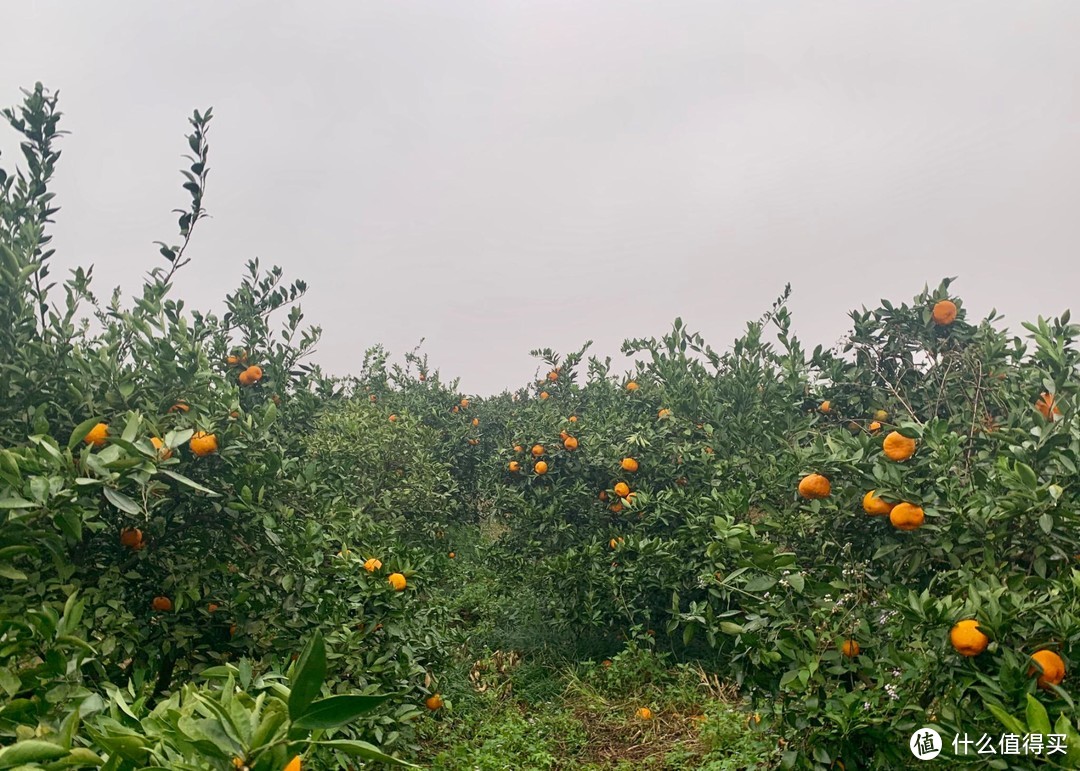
(499, 176)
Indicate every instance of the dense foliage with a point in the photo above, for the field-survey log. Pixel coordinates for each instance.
(214, 556)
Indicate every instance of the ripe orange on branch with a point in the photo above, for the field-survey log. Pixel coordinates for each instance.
(898, 447)
(815, 486)
(967, 639)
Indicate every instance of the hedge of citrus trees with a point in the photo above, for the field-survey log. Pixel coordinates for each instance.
(213, 556)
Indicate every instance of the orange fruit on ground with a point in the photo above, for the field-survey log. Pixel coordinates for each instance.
(163, 452)
(644, 713)
(664, 413)
(631, 386)
(944, 313)
(514, 467)
(162, 604)
(907, 516)
(815, 486)
(1053, 668)
(433, 702)
(541, 467)
(132, 538)
(967, 639)
(876, 506)
(826, 406)
(293, 765)
(850, 648)
(570, 443)
(537, 450)
(372, 564)
(629, 464)
(97, 435)
(898, 447)
(203, 443)
(622, 489)
(1047, 407)
(397, 580)
(875, 426)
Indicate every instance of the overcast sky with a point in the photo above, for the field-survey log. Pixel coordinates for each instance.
(499, 176)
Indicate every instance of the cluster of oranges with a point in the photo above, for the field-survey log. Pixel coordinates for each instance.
(249, 374)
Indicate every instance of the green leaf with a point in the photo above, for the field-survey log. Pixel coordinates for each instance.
(337, 711)
(1027, 475)
(122, 502)
(17, 503)
(363, 750)
(1046, 522)
(1038, 722)
(1011, 723)
(30, 751)
(729, 627)
(796, 582)
(189, 482)
(310, 673)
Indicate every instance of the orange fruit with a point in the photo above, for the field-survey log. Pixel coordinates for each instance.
(537, 450)
(97, 435)
(393, 418)
(815, 486)
(251, 375)
(553, 375)
(907, 516)
(616, 507)
(163, 452)
(451, 555)
(232, 361)
(454, 409)
(898, 447)
(1046, 406)
(294, 764)
(603, 497)
(514, 467)
(572, 418)
(563, 434)
(372, 564)
(874, 505)
(967, 639)
(541, 467)
(464, 404)
(881, 415)
(518, 448)
(605, 663)
(664, 413)
(476, 421)
(631, 386)
(622, 489)
(875, 426)
(615, 542)
(629, 464)
(132, 538)
(203, 443)
(397, 580)
(1053, 668)
(544, 394)
(433, 702)
(944, 313)
(180, 407)
(162, 604)
(644, 713)
(474, 442)
(212, 607)
(826, 407)
(570, 443)
(850, 648)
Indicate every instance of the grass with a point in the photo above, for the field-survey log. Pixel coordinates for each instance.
(524, 713)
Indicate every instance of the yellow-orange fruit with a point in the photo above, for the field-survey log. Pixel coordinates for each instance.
(850, 648)
(873, 505)
(944, 312)
(163, 452)
(1053, 668)
(570, 443)
(622, 489)
(514, 467)
(537, 450)
(907, 516)
(815, 486)
(898, 447)
(372, 564)
(97, 435)
(967, 639)
(1047, 407)
(203, 443)
(629, 464)
(132, 538)
(162, 604)
(433, 702)
(541, 467)
(631, 386)
(397, 580)
(644, 713)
